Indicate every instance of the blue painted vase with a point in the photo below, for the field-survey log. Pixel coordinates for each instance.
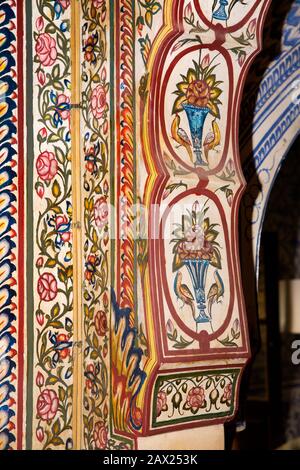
(197, 269)
(196, 117)
(221, 13)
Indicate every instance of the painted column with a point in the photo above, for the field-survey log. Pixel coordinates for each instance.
(126, 320)
(179, 332)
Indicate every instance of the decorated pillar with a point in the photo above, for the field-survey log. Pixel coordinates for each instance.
(180, 338)
(122, 315)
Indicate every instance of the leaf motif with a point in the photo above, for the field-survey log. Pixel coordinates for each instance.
(50, 263)
(149, 19)
(95, 341)
(208, 383)
(214, 109)
(61, 393)
(211, 235)
(52, 380)
(177, 262)
(56, 324)
(57, 441)
(56, 427)
(177, 107)
(55, 310)
(94, 355)
(216, 259)
(156, 8)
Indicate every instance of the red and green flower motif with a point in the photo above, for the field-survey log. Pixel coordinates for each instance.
(200, 395)
(53, 329)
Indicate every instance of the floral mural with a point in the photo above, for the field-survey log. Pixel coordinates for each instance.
(53, 328)
(106, 318)
(198, 95)
(194, 396)
(196, 247)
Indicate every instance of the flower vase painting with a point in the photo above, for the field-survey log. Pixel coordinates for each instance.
(198, 97)
(197, 265)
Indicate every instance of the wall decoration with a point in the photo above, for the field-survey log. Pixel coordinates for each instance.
(52, 226)
(197, 94)
(95, 181)
(11, 228)
(133, 303)
(196, 248)
(196, 396)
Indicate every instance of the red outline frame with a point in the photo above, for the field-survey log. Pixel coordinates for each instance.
(162, 176)
(219, 26)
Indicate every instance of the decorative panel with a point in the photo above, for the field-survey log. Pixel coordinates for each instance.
(95, 147)
(122, 313)
(178, 309)
(52, 274)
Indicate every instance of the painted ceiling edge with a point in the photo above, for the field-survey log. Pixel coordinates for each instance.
(136, 352)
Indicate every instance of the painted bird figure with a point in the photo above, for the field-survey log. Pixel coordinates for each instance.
(212, 140)
(181, 137)
(183, 293)
(215, 292)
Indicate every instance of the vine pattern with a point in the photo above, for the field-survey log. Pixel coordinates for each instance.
(95, 131)
(201, 395)
(52, 224)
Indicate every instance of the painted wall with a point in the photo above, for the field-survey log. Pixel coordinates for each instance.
(122, 336)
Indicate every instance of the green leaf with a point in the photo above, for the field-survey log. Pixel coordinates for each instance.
(56, 324)
(61, 43)
(50, 263)
(242, 40)
(58, 85)
(208, 383)
(55, 71)
(211, 235)
(56, 427)
(50, 28)
(61, 393)
(51, 380)
(91, 424)
(57, 441)
(216, 259)
(53, 138)
(96, 78)
(44, 340)
(94, 355)
(62, 275)
(55, 310)
(95, 341)
(60, 156)
(56, 191)
(156, 8)
(85, 421)
(177, 262)
(149, 19)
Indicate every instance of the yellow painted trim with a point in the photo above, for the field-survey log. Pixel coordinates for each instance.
(77, 218)
(150, 364)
